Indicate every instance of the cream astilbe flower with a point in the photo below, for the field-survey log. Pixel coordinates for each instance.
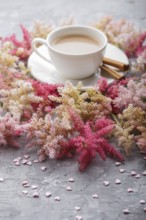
(49, 133)
(7, 61)
(41, 29)
(19, 98)
(128, 123)
(89, 104)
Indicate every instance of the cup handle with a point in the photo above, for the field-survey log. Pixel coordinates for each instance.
(35, 49)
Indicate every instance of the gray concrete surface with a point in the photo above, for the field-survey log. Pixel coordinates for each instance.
(113, 198)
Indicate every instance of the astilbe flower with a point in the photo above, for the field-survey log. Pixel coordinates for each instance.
(111, 90)
(7, 61)
(121, 32)
(89, 141)
(48, 132)
(88, 103)
(129, 127)
(141, 138)
(10, 128)
(19, 98)
(21, 49)
(11, 68)
(42, 29)
(134, 93)
(44, 90)
(141, 61)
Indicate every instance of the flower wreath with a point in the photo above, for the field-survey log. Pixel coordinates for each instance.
(62, 120)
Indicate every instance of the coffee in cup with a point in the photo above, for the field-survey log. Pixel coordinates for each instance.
(76, 51)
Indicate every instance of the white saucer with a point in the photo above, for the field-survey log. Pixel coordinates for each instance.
(46, 72)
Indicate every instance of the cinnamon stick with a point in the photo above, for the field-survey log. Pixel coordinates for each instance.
(117, 64)
(112, 72)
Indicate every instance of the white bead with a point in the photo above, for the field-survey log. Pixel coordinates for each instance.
(68, 188)
(77, 208)
(126, 211)
(71, 180)
(95, 196)
(106, 183)
(48, 194)
(118, 181)
(57, 198)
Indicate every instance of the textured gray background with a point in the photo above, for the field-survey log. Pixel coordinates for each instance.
(113, 198)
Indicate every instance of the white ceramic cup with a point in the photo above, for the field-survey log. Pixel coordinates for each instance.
(73, 66)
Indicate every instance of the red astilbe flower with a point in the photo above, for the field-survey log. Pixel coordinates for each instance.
(22, 49)
(44, 90)
(89, 141)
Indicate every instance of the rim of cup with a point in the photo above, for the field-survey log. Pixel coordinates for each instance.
(71, 27)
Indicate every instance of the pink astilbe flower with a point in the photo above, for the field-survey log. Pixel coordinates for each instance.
(121, 32)
(141, 44)
(22, 49)
(111, 90)
(134, 93)
(10, 128)
(90, 140)
(102, 84)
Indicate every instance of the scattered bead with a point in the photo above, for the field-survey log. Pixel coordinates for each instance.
(17, 163)
(106, 183)
(129, 190)
(43, 168)
(68, 188)
(117, 181)
(144, 209)
(25, 192)
(144, 158)
(57, 198)
(25, 183)
(35, 195)
(71, 180)
(79, 217)
(122, 170)
(95, 196)
(48, 194)
(34, 187)
(77, 208)
(15, 160)
(118, 164)
(1, 179)
(137, 176)
(26, 156)
(36, 161)
(29, 163)
(144, 173)
(24, 161)
(133, 173)
(142, 201)
(126, 211)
